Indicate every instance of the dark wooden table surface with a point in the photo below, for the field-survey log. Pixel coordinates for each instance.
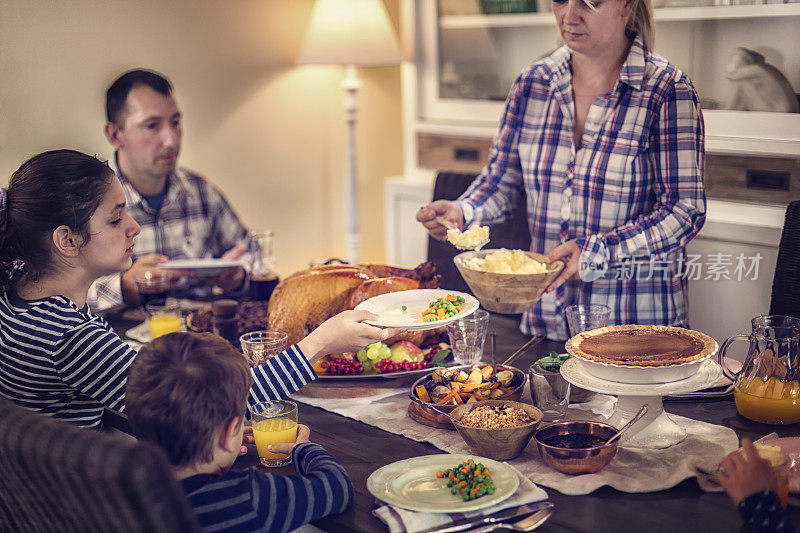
(685, 508)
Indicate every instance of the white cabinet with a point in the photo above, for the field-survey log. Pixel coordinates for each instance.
(467, 63)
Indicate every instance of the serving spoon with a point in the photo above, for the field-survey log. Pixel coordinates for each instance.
(423, 404)
(627, 426)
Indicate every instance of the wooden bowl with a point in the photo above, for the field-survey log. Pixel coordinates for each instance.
(577, 460)
(507, 293)
(427, 416)
(498, 444)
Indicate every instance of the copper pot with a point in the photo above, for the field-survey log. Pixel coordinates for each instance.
(577, 460)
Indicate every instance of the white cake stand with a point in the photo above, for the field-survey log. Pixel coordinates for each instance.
(655, 429)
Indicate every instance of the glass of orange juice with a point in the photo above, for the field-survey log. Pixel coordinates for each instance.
(163, 316)
(274, 422)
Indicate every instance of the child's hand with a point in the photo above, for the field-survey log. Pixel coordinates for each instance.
(286, 447)
(247, 438)
(743, 473)
(345, 332)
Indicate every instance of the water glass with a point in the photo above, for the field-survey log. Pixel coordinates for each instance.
(259, 346)
(163, 316)
(549, 391)
(274, 422)
(151, 285)
(583, 317)
(467, 336)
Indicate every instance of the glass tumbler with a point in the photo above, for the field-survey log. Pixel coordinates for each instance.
(467, 336)
(549, 391)
(274, 422)
(583, 317)
(259, 346)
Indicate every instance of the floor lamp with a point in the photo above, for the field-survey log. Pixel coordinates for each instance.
(352, 33)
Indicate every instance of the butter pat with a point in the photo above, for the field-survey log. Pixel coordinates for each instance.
(507, 262)
(474, 238)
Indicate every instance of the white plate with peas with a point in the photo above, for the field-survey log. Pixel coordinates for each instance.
(413, 484)
(404, 309)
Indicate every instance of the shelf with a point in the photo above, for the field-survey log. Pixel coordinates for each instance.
(521, 20)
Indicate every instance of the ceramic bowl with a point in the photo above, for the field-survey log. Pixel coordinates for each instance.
(576, 460)
(518, 384)
(498, 444)
(506, 293)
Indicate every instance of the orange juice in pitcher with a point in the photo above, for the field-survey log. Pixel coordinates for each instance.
(773, 401)
(767, 388)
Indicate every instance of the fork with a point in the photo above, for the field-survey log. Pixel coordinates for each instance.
(526, 524)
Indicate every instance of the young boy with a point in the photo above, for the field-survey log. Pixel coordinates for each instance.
(187, 393)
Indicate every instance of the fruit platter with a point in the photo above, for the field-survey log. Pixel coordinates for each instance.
(381, 361)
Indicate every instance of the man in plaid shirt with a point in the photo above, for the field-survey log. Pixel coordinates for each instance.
(629, 190)
(181, 214)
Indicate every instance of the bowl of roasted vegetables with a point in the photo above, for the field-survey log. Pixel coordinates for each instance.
(447, 388)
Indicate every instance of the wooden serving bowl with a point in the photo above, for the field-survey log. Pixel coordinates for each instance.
(498, 444)
(429, 417)
(507, 293)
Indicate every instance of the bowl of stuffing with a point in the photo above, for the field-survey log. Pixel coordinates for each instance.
(498, 429)
(507, 281)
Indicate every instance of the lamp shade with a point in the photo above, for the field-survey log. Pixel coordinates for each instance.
(350, 32)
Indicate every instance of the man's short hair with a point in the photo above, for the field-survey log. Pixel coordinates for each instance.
(182, 388)
(117, 94)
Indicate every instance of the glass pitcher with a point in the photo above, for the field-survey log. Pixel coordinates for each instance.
(767, 388)
(263, 272)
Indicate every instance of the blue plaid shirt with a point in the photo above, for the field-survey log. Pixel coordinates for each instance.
(194, 221)
(632, 196)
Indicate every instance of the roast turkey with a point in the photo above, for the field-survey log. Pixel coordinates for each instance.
(304, 300)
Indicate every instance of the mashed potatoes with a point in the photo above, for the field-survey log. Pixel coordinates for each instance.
(474, 238)
(507, 262)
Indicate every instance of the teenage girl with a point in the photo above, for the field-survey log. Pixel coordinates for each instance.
(63, 224)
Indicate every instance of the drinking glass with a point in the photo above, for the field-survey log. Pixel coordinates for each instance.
(549, 391)
(259, 346)
(163, 316)
(467, 336)
(583, 317)
(151, 285)
(274, 422)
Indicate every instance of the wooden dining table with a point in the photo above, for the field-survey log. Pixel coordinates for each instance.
(362, 449)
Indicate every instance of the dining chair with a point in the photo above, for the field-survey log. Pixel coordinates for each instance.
(512, 234)
(786, 281)
(58, 477)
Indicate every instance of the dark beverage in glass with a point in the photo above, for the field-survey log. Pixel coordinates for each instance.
(261, 288)
(151, 285)
(146, 297)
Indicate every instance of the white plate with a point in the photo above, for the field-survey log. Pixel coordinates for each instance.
(208, 266)
(412, 484)
(141, 333)
(389, 307)
(574, 370)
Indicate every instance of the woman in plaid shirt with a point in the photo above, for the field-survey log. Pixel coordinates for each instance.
(605, 140)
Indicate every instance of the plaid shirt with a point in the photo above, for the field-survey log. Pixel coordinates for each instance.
(632, 196)
(195, 221)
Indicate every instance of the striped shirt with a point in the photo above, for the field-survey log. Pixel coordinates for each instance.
(64, 361)
(633, 191)
(195, 221)
(61, 360)
(251, 501)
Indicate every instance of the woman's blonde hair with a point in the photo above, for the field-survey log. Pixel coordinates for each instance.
(641, 22)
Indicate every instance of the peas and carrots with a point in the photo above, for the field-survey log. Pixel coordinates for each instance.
(443, 308)
(468, 479)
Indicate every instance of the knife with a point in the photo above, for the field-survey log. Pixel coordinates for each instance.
(510, 514)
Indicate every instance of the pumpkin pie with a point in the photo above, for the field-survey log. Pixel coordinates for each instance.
(640, 346)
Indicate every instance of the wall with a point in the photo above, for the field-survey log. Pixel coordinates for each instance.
(270, 134)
